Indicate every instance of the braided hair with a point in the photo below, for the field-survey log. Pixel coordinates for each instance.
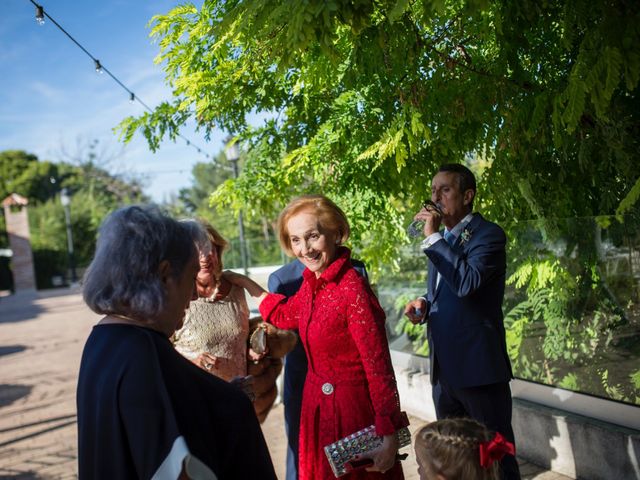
(450, 448)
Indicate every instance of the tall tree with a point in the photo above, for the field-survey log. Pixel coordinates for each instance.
(21, 173)
(197, 201)
(368, 98)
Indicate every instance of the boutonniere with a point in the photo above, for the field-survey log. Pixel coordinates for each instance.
(465, 236)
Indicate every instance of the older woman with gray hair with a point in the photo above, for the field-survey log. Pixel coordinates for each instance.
(144, 411)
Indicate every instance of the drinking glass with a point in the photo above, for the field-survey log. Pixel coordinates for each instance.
(416, 228)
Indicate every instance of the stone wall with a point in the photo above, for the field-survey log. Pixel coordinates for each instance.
(574, 445)
(17, 222)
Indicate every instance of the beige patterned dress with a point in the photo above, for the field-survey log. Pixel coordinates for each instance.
(219, 328)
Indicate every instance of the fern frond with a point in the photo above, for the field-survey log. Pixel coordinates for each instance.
(575, 99)
(630, 199)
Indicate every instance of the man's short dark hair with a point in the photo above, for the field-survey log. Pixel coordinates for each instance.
(466, 179)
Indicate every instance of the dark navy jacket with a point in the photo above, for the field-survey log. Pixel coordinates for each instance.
(465, 326)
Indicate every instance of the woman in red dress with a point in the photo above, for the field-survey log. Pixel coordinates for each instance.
(350, 383)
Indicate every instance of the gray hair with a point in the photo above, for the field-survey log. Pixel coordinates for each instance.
(124, 275)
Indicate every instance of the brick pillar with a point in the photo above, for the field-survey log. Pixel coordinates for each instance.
(17, 221)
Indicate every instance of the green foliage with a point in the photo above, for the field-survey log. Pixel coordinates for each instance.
(572, 310)
(614, 391)
(23, 174)
(12, 164)
(365, 99)
(569, 382)
(34, 182)
(194, 200)
(94, 194)
(515, 332)
(416, 333)
(630, 199)
(197, 201)
(87, 210)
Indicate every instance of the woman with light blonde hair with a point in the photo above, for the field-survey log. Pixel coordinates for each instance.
(215, 334)
(216, 327)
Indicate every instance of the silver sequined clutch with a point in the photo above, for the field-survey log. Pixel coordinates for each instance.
(339, 453)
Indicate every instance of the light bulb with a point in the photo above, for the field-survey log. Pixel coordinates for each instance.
(98, 66)
(39, 15)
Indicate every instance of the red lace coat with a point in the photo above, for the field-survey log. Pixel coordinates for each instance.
(341, 326)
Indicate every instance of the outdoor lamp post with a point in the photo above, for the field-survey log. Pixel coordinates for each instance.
(65, 200)
(232, 152)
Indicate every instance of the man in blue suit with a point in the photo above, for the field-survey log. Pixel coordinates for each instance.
(286, 281)
(470, 368)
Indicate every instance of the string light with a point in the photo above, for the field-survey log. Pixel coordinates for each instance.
(40, 15)
(40, 18)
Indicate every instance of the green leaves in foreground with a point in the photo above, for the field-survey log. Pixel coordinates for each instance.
(363, 100)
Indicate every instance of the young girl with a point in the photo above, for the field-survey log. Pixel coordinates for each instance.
(459, 448)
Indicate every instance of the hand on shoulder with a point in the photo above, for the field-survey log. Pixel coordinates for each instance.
(245, 282)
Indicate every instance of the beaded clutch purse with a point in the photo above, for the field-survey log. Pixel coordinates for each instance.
(341, 452)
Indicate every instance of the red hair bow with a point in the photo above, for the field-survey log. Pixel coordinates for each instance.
(494, 450)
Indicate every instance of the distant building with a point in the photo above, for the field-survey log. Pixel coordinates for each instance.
(17, 221)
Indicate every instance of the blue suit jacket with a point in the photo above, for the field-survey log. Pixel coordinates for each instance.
(465, 327)
(287, 279)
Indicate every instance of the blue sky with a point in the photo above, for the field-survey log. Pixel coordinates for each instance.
(51, 97)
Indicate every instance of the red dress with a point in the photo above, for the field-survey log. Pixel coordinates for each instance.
(350, 383)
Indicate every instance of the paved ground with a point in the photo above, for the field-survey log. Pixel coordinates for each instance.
(41, 340)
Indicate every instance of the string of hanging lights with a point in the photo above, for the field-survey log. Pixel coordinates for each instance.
(41, 14)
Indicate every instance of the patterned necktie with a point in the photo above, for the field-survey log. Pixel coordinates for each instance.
(449, 237)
